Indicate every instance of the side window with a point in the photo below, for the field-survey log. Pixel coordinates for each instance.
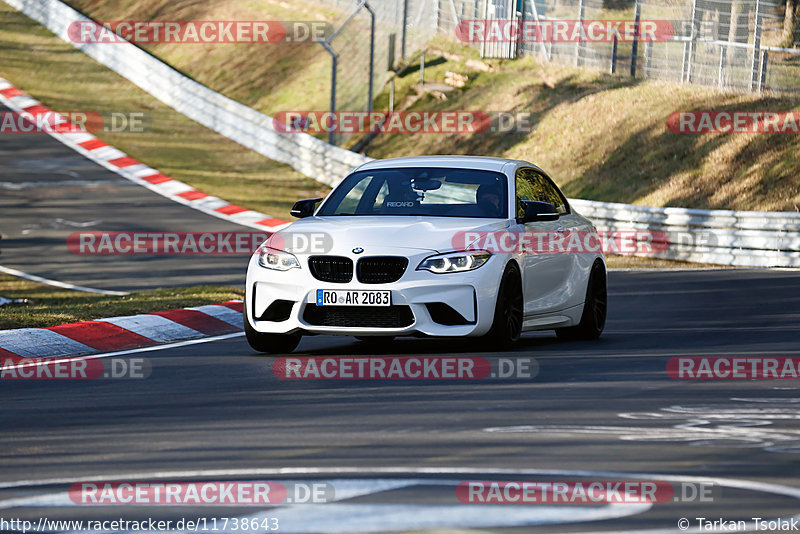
(532, 185)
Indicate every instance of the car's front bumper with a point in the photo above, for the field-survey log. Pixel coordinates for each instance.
(284, 302)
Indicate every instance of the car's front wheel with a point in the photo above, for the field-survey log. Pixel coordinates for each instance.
(593, 319)
(269, 343)
(507, 326)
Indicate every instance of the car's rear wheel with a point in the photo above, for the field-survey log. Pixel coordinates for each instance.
(269, 343)
(507, 326)
(593, 318)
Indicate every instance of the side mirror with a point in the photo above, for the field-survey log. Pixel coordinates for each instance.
(304, 208)
(536, 211)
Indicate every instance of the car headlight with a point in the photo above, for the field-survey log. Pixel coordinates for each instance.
(277, 260)
(454, 262)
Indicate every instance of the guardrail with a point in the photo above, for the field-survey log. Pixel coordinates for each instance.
(740, 238)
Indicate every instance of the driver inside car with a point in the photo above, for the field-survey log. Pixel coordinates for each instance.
(487, 197)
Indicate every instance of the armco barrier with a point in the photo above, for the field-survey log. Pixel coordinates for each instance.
(740, 238)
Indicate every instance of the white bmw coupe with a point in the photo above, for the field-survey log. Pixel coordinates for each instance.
(429, 246)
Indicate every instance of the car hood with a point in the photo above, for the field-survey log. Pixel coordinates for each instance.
(343, 233)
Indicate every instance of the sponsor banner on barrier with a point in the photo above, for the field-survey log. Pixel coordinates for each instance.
(563, 31)
(197, 31)
(715, 121)
(733, 368)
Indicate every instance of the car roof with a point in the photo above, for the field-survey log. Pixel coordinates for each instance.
(458, 162)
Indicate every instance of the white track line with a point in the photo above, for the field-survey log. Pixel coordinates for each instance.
(56, 283)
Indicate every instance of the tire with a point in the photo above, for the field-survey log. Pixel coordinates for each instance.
(375, 340)
(593, 318)
(269, 343)
(507, 324)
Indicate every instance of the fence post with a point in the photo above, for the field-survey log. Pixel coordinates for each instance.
(637, 13)
(422, 69)
(579, 45)
(403, 35)
(690, 46)
(762, 71)
(756, 48)
(685, 63)
(334, 62)
(519, 45)
(614, 55)
(390, 52)
(723, 52)
(371, 52)
(648, 58)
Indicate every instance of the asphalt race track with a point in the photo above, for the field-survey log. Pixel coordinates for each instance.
(394, 451)
(48, 191)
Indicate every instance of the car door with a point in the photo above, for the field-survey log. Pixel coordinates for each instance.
(547, 273)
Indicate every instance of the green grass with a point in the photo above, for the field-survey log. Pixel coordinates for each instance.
(49, 306)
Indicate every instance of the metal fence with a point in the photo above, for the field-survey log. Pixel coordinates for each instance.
(730, 44)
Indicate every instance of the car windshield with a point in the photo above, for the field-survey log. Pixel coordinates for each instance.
(435, 192)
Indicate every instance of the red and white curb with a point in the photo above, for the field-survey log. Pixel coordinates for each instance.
(120, 163)
(121, 333)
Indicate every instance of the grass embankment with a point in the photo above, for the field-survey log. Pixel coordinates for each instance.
(602, 137)
(49, 306)
(605, 137)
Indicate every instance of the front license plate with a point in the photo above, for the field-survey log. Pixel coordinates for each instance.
(337, 297)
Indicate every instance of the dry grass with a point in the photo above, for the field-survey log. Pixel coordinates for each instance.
(605, 138)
